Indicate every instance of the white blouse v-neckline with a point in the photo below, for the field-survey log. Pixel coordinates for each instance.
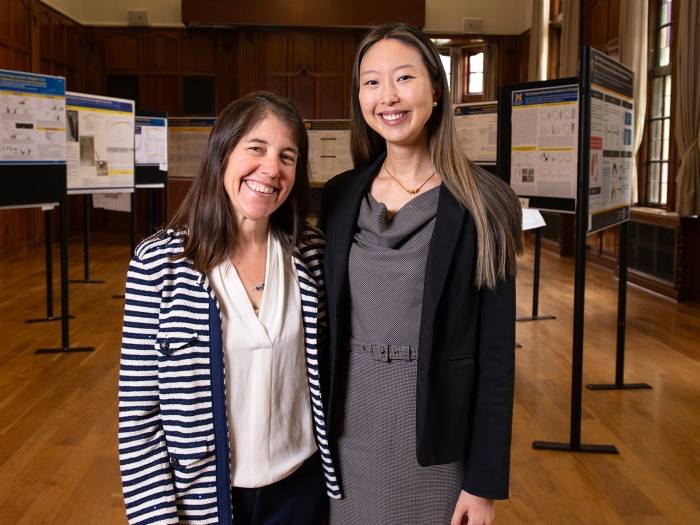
(269, 411)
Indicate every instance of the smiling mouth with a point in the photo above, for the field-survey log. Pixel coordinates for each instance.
(259, 188)
(394, 116)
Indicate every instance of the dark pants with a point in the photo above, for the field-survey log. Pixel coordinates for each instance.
(298, 499)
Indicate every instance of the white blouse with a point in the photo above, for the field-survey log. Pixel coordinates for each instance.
(269, 410)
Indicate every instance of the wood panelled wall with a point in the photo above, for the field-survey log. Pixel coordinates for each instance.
(310, 66)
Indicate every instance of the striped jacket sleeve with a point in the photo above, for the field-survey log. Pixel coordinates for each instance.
(147, 482)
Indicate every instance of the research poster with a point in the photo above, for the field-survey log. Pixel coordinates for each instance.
(99, 144)
(151, 142)
(477, 127)
(329, 148)
(611, 142)
(544, 142)
(187, 138)
(33, 118)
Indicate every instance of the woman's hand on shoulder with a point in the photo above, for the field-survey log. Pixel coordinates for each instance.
(473, 510)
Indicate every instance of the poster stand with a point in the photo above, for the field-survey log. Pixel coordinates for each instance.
(48, 210)
(596, 69)
(536, 282)
(621, 322)
(151, 175)
(35, 184)
(557, 91)
(33, 166)
(86, 245)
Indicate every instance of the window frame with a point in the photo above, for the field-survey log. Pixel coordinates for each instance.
(468, 52)
(653, 72)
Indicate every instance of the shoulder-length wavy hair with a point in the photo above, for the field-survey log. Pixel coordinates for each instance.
(205, 217)
(494, 206)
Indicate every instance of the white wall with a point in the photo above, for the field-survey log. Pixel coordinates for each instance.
(162, 13)
(501, 17)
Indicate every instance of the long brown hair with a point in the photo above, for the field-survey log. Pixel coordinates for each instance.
(494, 206)
(205, 217)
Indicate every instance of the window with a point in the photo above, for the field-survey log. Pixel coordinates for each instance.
(659, 121)
(475, 73)
(447, 64)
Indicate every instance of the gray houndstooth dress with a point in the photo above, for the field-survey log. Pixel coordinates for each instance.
(382, 482)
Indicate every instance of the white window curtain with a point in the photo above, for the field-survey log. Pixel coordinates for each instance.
(539, 40)
(686, 23)
(570, 39)
(491, 72)
(633, 54)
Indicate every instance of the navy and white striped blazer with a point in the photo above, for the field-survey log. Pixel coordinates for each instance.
(173, 431)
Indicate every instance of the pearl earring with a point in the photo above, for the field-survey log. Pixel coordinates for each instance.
(434, 104)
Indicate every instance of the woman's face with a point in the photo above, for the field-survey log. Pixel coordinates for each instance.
(261, 170)
(396, 92)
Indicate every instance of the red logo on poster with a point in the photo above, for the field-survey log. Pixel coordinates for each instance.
(596, 142)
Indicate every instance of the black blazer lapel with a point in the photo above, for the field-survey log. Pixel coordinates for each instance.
(448, 226)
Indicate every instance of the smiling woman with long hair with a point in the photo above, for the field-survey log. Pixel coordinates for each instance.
(420, 267)
(220, 412)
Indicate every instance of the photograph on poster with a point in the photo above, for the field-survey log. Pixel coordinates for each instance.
(33, 118)
(477, 127)
(187, 138)
(544, 145)
(103, 156)
(329, 148)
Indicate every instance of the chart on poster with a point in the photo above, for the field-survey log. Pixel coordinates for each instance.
(187, 138)
(611, 144)
(151, 142)
(329, 148)
(477, 127)
(544, 146)
(100, 143)
(33, 117)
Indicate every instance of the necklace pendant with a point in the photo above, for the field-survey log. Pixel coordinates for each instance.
(412, 192)
(261, 286)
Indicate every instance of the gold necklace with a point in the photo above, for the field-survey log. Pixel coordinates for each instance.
(258, 288)
(410, 192)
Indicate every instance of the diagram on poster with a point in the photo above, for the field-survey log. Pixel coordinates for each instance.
(151, 142)
(100, 143)
(611, 144)
(544, 143)
(33, 117)
(329, 148)
(477, 127)
(187, 138)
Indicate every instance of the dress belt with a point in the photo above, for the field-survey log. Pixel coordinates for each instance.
(385, 352)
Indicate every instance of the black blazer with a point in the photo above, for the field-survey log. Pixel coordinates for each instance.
(466, 361)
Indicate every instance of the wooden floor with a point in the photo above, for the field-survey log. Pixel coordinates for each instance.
(58, 413)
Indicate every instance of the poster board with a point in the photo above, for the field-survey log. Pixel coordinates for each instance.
(99, 144)
(329, 149)
(538, 142)
(610, 88)
(151, 141)
(477, 127)
(150, 149)
(32, 139)
(187, 138)
(33, 118)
